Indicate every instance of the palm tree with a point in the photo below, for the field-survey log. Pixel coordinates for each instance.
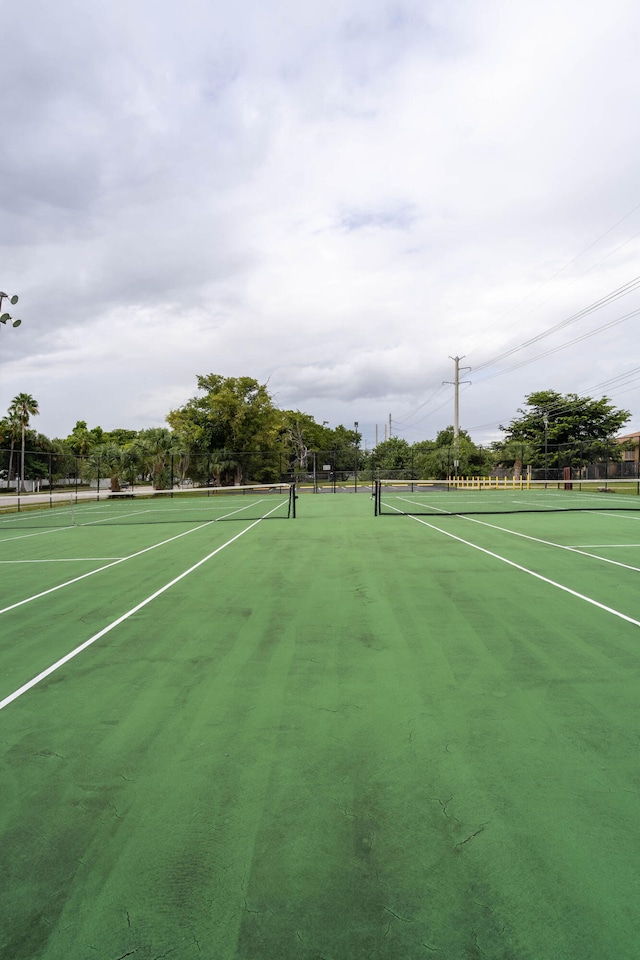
(225, 464)
(155, 448)
(22, 407)
(108, 457)
(10, 428)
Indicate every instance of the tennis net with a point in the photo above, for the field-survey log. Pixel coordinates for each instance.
(457, 497)
(190, 505)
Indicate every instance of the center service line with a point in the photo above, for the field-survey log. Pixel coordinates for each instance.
(532, 573)
(125, 616)
(550, 543)
(115, 562)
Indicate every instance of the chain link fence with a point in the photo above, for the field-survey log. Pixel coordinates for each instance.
(320, 471)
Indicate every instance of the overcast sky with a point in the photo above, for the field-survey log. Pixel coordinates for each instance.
(332, 197)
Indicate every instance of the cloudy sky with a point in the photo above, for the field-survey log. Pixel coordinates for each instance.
(336, 198)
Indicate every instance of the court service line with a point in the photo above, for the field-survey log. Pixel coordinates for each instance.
(617, 514)
(38, 533)
(83, 576)
(550, 543)
(607, 546)
(532, 573)
(66, 560)
(125, 616)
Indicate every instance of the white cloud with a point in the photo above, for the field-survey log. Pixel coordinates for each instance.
(337, 197)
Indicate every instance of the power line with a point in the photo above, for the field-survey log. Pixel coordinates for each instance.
(621, 380)
(409, 416)
(562, 346)
(409, 420)
(573, 260)
(622, 291)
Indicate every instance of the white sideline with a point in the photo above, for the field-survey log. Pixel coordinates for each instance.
(66, 560)
(83, 576)
(139, 553)
(125, 616)
(526, 536)
(532, 573)
(550, 543)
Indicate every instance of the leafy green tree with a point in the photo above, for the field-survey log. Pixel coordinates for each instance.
(120, 435)
(436, 459)
(81, 440)
(566, 428)
(392, 456)
(42, 455)
(233, 414)
(513, 455)
(300, 437)
(23, 406)
(345, 442)
(11, 428)
(446, 437)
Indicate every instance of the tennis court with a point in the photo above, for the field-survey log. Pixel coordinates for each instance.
(336, 737)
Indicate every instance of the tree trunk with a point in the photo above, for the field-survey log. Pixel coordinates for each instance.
(23, 489)
(10, 472)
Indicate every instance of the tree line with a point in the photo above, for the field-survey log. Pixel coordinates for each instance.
(232, 432)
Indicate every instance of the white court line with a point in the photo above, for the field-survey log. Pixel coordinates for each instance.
(38, 533)
(618, 514)
(83, 576)
(139, 553)
(606, 546)
(548, 543)
(161, 510)
(125, 616)
(67, 560)
(417, 503)
(79, 508)
(532, 573)
(551, 543)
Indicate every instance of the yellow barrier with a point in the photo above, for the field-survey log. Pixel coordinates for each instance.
(490, 483)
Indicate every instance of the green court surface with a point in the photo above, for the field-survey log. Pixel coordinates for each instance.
(330, 738)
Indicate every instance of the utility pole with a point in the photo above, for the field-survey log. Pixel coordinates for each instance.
(390, 434)
(456, 408)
